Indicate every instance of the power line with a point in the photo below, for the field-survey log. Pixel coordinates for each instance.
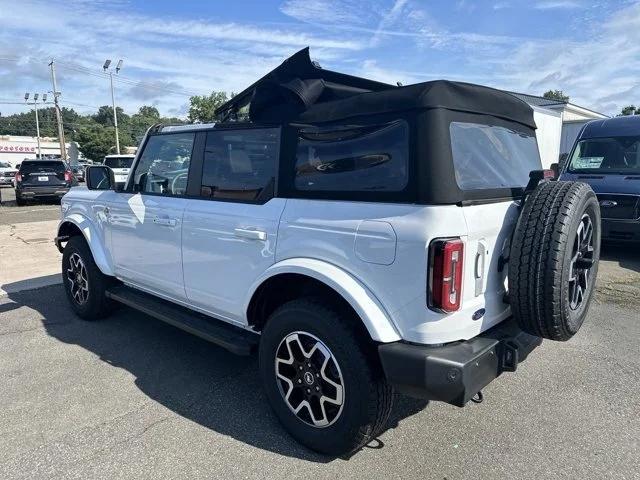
(126, 80)
(148, 84)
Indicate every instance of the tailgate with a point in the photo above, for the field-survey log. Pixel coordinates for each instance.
(43, 179)
(490, 228)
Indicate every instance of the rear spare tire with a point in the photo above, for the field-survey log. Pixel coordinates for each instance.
(553, 261)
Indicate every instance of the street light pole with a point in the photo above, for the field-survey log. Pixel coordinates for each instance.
(113, 99)
(35, 104)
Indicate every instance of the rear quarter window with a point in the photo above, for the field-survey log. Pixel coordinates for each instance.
(353, 158)
(492, 157)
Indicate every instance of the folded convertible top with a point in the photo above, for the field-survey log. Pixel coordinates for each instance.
(300, 91)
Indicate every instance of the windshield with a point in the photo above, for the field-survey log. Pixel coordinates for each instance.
(4, 165)
(118, 162)
(607, 155)
(42, 167)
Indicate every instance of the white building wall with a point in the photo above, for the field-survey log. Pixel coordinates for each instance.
(548, 133)
(570, 132)
(14, 148)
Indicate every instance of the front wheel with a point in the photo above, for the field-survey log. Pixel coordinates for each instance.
(322, 378)
(84, 283)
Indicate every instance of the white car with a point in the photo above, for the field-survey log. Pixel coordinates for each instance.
(7, 174)
(121, 165)
(363, 238)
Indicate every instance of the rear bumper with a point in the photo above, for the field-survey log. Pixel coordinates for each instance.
(32, 192)
(455, 372)
(621, 230)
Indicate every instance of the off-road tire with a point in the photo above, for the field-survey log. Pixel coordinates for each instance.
(97, 305)
(542, 256)
(21, 202)
(367, 397)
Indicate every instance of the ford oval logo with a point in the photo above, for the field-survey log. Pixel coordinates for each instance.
(608, 203)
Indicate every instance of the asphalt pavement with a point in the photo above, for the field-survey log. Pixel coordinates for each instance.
(130, 397)
(32, 212)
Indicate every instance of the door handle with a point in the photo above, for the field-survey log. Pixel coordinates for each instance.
(165, 221)
(251, 234)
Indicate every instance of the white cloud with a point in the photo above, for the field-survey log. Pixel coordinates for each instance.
(557, 4)
(166, 56)
(327, 11)
(592, 71)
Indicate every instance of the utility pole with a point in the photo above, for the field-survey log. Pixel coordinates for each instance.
(105, 67)
(56, 94)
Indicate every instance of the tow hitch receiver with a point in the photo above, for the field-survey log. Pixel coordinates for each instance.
(456, 373)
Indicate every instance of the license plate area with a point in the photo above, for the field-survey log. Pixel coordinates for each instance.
(43, 179)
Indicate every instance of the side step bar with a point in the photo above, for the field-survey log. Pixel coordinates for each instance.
(234, 339)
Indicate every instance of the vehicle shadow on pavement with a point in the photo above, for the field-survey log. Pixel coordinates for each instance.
(191, 377)
(627, 255)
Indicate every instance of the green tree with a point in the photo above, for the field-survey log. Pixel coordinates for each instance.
(149, 112)
(629, 110)
(202, 107)
(556, 95)
(96, 141)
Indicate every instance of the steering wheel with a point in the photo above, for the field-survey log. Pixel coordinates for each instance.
(174, 184)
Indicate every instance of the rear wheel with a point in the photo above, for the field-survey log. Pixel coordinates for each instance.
(554, 257)
(321, 378)
(84, 283)
(21, 202)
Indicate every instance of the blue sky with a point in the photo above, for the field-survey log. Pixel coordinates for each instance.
(171, 49)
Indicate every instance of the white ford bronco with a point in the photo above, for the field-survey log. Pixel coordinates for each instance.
(364, 238)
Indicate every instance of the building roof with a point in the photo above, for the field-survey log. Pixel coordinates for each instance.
(536, 100)
(554, 104)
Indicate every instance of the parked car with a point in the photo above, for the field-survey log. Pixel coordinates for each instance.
(121, 165)
(363, 238)
(7, 174)
(43, 179)
(606, 155)
(78, 171)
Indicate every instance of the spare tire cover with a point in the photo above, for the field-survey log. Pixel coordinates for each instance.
(553, 262)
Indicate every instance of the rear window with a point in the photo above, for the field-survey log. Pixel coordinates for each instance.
(118, 162)
(42, 167)
(353, 158)
(492, 157)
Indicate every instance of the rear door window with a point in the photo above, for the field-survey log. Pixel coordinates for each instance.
(492, 157)
(240, 164)
(353, 158)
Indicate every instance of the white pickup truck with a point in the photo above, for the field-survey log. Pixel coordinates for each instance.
(363, 238)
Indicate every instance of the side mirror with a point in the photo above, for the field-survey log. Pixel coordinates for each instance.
(556, 170)
(99, 177)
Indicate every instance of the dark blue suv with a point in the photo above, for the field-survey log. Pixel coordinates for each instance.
(606, 155)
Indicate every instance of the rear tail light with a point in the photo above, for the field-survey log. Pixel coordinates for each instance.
(18, 177)
(445, 274)
(68, 176)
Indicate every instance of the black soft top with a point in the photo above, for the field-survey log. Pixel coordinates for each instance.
(300, 91)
